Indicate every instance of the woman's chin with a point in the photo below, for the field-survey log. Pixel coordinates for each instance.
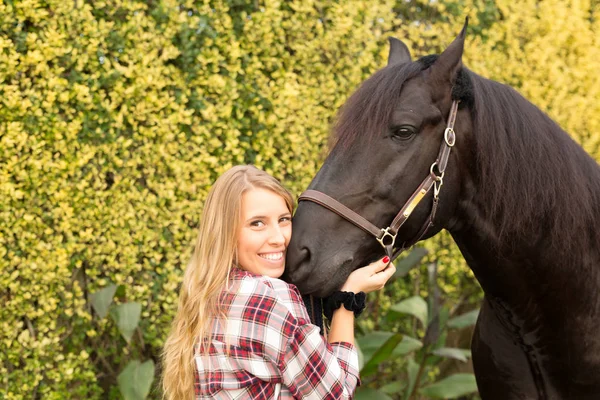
(274, 272)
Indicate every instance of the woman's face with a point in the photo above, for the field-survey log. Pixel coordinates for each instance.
(266, 229)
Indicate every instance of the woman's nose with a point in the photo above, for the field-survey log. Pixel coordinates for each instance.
(277, 237)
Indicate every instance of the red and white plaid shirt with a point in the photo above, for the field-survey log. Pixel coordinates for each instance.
(275, 352)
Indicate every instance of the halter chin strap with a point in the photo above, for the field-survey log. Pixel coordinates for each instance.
(387, 236)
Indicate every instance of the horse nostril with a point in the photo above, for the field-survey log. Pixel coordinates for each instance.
(304, 255)
(297, 264)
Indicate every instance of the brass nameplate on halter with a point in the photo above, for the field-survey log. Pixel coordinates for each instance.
(414, 202)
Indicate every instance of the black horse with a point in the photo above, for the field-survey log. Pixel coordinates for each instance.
(519, 196)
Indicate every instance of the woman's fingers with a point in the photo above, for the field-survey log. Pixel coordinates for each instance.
(379, 265)
(384, 275)
(370, 278)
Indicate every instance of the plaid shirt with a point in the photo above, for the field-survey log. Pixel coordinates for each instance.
(275, 352)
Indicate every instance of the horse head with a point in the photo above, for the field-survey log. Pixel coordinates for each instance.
(387, 138)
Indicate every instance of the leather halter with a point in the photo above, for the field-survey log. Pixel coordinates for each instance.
(387, 236)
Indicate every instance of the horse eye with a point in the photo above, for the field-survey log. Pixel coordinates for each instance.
(403, 132)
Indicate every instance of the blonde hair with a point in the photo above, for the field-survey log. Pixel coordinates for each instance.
(207, 273)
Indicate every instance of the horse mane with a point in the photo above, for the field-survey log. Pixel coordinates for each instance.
(514, 141)
(366, 114)
(531, 175)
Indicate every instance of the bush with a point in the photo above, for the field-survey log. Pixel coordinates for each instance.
(118, 115)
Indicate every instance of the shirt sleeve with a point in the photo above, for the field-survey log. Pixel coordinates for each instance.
(312, 368)
(309, 366)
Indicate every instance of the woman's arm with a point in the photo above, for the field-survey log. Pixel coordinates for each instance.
(307, 365)
(330, 370)
(312, 368)
(368, 279)
(342, 327)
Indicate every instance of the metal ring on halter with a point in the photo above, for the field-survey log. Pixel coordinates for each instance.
(450, 140)
(433, 174)
(385, 233)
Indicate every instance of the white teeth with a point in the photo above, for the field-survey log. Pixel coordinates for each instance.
(272, 256)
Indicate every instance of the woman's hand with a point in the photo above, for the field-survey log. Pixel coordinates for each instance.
(370, 278)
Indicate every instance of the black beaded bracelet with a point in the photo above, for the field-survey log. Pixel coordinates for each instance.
(355, 302)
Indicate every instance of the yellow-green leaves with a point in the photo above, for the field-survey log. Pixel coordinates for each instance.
(117, 116)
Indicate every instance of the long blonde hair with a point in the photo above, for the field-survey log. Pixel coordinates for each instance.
(207, 273)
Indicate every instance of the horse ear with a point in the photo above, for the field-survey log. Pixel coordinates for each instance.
(445, 69)
(399, 53)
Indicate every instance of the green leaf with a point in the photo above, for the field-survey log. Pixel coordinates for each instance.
(415, 306)
(383, 353)
(371, 342)
(412, 369)
(136, 379)
(393, 388)
(462, 321)
(102, 299)
(451, 387)
(407, 345)
(450, 352)
(365, 393)
(409, 262)
(127, 317)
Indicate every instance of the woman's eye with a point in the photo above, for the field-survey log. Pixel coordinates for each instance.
(404, 132)
(285, 219)
(257, 223)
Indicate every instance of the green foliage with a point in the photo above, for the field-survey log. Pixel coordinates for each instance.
(409, 262)
(127, 317)
(136, 379)
(116, 116)
(379, 353)
(102, 299)
(451, 387)
(464, 320)
(415, 306)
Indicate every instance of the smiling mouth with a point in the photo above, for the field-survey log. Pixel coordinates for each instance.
(272, 256)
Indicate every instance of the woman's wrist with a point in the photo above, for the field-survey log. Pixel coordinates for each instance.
(349, 288)
(343, 311)
(353, 302)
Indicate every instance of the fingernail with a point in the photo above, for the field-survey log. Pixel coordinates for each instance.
(386, 259)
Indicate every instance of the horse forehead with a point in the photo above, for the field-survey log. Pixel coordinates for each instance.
(415, 92)
(415, 100)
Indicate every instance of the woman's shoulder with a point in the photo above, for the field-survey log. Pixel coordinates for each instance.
(247, 284)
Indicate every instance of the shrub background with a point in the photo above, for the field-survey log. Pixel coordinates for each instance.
(116, 117)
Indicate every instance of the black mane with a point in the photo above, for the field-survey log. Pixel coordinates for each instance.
(530, 169)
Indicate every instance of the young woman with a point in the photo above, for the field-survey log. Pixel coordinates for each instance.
(242, 333)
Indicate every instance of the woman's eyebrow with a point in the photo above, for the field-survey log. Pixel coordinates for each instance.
(256, 217)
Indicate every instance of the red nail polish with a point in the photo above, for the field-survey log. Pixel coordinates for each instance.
(386, 260)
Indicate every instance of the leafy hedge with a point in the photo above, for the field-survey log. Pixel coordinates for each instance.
(116, 116)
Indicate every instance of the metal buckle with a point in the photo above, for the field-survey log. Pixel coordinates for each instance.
(439, 180)
(450, 140)
(385, 233)
(437, 185)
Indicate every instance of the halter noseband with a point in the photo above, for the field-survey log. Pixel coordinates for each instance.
(387, 236)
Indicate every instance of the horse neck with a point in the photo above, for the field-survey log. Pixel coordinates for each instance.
(509, 261)
(530, 185)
